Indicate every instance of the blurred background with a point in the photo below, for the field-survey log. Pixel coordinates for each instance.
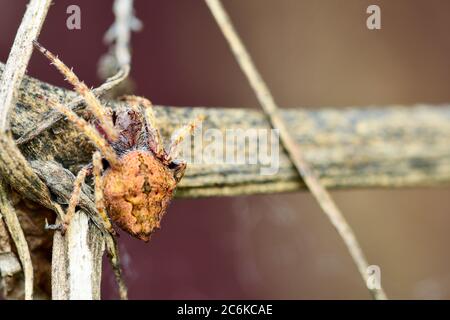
(312, 53)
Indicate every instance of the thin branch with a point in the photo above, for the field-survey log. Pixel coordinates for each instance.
(12, 77)
(54, 116)
(359, 147)
(68, 249)
(118, 37)
(19, 56)
(63, 248)
(16, 232)
(271, 109)
(120, 32)
(77, 261)
(112, 250)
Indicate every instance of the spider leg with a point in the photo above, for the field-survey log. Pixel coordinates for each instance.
(52, 117)
(154, 136)
(99, 199)
(111, 243)
(91, 100)
(100, 142)
(178, 169)
(75, 196)
(179, 135)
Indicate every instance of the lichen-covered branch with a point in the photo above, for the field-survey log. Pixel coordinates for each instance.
(360, 147)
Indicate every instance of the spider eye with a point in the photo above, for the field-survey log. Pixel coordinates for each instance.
(114, 117)
(173, 165)
(178, 169)
(105, 164)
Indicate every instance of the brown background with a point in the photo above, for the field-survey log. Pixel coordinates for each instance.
(312, 54)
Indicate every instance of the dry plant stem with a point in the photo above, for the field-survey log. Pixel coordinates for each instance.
(92, 101)
(89, 131)
(61, 182)
(19, 56)
(390, 146)
(120, 31)
(105, 121)
(78, 242)
(271, 109)
(118, 38)
(16, 170)
(98, 184)
(53, 116)
(16, 232)
(16, 65)
(77, 260)
(86, 283)
(67, 251)
(81, 266)
(112, 250)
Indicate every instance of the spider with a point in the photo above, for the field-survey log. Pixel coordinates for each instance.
(140, 175)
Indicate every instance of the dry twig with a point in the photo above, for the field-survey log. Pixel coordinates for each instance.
(19, 56)
(118, 37)
(17, 235)
(12, 77)
(271, 109)
(70, 279)
(391, 146)
(120, 31)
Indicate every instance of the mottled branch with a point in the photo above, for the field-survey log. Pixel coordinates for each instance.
(393, 146)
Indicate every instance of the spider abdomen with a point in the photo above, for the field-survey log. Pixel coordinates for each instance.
(138, 193)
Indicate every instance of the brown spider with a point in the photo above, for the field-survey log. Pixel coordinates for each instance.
(141, 176)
